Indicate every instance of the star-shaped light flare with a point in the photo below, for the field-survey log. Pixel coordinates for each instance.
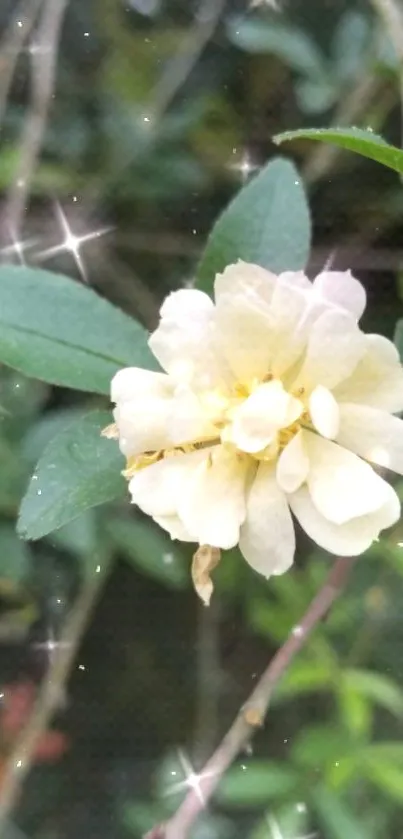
(17, 249)
(71, 242)
(192, 780)
(243, 165)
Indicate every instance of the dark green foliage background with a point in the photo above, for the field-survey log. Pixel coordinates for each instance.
(160, 672)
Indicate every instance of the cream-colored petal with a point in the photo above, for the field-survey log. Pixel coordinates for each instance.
(158, 489)
(188, 421)
(245, 333)
(267, 538)
(373, 434)
(335, 347)
(185, 341)
(351, 538)
(213, 505)
(341, 485)
(258, 419)
(324, 412)
(377, 380)
(134, 383)
(288, 311)
(293, 465)
(243, 279)
(175, 528)
(296, 278)
(341, 289)
(143, 424)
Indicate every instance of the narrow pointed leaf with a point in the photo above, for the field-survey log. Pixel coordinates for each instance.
(358, 140)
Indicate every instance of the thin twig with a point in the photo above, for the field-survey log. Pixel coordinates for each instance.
(12, 43)
(179, 69)
(20, 761)
(391, 13)
(252, 714)
(43, 63)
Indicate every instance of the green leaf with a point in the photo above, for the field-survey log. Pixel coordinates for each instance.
(320, 745)
(48, 426)
(266, 223)
(386, 776)
(79, 469)
(149, 549)
(358, 140)
(55, 329)
(256, 784)
(335, 816)
(377, 687)
(288, 43)
(14, 555)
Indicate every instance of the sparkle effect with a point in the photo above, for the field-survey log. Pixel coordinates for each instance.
(192, 780)
(243, 165)
(17, 249)
(51, 645)
(72, 243)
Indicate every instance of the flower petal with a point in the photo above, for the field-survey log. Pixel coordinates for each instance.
(378, 378)
(351, 538)
(185, 341)
(175, 528)
(335, 347)
(341, 289)
(373, 434)
(188, 420)
(324, 412)
(158, 489)
(293, 465)
(134, 383)
(213, 505)
(142, 424)
(267, 538)
(242, 279)
(341, 485)
(257, 421)
(257, 316)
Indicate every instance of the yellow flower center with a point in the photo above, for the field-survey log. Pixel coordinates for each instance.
(220, 410)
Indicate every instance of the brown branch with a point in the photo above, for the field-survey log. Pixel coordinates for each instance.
(252, 714)
(43, 63)
(51, 691)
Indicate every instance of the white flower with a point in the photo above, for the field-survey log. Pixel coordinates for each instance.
(272, 402)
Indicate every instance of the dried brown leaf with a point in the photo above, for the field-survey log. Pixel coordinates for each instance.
(204, 561)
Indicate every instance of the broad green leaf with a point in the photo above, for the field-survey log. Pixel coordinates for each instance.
(351, 43)
(47, 426)
(376, 687)
(358, 140)
(256, 784)
(55, 329)
(266, 223)
(14, 555)
(336, 817)
(291, 45)
(79, 469)
(149, 549)
(306, 677)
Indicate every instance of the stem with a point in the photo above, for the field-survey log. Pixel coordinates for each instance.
(252, 714)
(50, 693)
(43, 64)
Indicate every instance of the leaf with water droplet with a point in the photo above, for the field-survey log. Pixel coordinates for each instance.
(78, 470)
(359, 140)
